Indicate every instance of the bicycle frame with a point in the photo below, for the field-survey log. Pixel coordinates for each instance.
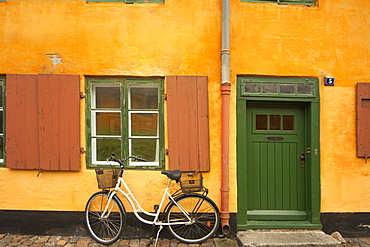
(135, 205)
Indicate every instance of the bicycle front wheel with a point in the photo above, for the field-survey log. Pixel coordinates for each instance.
(105, 228)
(204, 218)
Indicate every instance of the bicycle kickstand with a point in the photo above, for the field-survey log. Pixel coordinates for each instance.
(156, 239)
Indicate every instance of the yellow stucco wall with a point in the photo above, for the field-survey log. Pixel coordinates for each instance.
(330, 39)
(182, 37)
(110, 39)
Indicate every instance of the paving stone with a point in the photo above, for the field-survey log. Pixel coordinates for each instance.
(61, 242)
(54, 239)
(135, 243)
(174, 243)
(83, 243)
(7, 239)
(2, 236)
(43, 239)
(124, 243)
(37, 245)
(73, 239)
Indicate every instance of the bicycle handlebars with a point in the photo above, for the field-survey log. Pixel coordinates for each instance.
(121, 162)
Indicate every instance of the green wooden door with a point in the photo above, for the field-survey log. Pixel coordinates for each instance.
(275, 174)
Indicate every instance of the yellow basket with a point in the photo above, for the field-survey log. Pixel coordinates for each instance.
(191, 182)
(107, 178)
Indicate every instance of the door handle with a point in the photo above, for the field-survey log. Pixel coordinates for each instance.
(302, 159)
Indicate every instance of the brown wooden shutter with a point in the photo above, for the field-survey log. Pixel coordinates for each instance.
(42, 122)
(363, 120)
(188, 129)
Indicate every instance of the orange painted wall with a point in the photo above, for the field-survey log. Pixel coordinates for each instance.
(110, 39)
(182, 37)
(330, 39)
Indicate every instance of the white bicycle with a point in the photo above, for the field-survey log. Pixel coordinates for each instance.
(190, 217)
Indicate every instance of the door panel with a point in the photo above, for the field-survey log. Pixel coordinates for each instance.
(275, 178)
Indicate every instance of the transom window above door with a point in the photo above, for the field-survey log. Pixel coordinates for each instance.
(287, 87)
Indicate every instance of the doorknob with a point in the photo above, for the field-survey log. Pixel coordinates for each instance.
(302, 159)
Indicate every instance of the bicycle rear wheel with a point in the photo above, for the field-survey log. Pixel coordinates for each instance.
(105, 229)
(204, 216)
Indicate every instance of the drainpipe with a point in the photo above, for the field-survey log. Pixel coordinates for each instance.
(225, 95)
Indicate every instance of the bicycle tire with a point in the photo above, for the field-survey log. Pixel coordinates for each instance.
(109, 229)
(203, 213)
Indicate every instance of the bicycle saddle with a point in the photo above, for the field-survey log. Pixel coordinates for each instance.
(174, 175)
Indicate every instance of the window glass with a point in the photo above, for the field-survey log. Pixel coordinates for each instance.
(108, 123)
(144, 98)
(270, 88)
(105, 147)
(144, 124)
(108, 97)
(252, 88)
(145, 148)
(275, 121)
(288, 122)
(261, 122)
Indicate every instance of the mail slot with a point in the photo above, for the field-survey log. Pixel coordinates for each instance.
(275, 138)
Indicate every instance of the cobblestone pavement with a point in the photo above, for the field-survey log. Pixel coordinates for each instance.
(39, 241)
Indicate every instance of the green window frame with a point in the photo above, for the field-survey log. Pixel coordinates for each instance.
(125, 117)
(128, 1)
(2, 120)
(298, 2)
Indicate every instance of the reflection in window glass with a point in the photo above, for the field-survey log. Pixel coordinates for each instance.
(145, 148)
(270, 88)
(261, 122)
(287, 88)
(288, 122)
(275, 121)
(108, 123)
(144, 98)
(252, 88)
(304, 89)
(105, 147)
(108, 97)
(144, 124)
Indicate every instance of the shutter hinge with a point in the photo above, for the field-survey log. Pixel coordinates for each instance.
(166, 151)
(82, 150)
(82, 95)
(165, 96)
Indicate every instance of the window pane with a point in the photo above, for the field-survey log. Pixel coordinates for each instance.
(108, 123)
(144, 98)
(144, 124)
(304, 89)
(270, 88)
(1, 95)
(1, 122)
(2, 147)
(275, 122)
(108, 97)
(261, 122)
(287, 88)
(145, 148)
(288, 122)
(252, 88)
(105, 147)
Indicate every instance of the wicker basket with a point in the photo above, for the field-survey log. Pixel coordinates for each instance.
(191, 182)
(107, 178)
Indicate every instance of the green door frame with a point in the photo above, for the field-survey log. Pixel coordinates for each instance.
(312, 138)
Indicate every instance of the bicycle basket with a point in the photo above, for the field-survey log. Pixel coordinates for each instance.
(191, 182)
(107, 178)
